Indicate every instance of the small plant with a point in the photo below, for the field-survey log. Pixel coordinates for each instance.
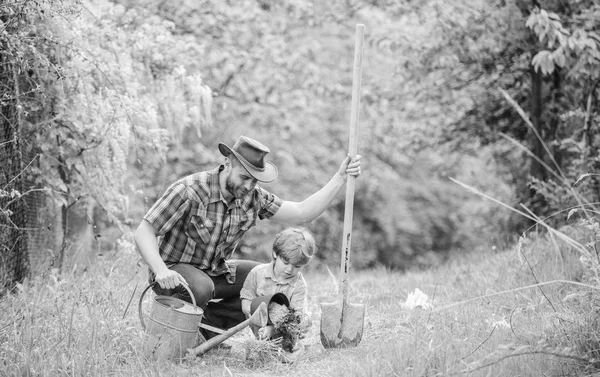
(287, 324)
(260, 353)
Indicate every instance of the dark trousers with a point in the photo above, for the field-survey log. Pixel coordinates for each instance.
(219, 299)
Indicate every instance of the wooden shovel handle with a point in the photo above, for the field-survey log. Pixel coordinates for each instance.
(353, 150)
(259, 318)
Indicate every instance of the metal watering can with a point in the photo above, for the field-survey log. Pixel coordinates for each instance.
(172, 326)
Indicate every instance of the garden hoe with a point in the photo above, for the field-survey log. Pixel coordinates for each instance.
(341, 321)
(259, 318)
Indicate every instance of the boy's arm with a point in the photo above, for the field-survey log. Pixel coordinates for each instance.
(264, 332)
(246, 307)
(299, 301)
(299, 296)
(248, 292)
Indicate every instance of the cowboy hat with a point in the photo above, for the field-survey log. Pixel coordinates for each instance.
(251, 154)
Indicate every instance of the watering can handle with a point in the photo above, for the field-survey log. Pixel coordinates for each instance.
(140, 312)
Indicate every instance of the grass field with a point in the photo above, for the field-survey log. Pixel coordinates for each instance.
(485, 316)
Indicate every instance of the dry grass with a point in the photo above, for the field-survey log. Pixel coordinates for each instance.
(482, 322)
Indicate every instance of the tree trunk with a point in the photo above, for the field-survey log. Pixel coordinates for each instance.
(82, 234)
(536, 169)
(590, 163)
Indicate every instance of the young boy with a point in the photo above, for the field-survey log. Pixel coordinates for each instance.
(293, 248)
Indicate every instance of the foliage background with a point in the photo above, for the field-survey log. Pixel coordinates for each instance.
(119, 98)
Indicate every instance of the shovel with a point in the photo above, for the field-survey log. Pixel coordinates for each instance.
(259, 318)
(341, 321)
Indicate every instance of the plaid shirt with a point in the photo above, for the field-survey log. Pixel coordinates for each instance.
(196, 226)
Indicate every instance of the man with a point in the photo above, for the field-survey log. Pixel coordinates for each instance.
(201, 218)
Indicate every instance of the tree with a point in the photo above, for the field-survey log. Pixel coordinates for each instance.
(569, 54)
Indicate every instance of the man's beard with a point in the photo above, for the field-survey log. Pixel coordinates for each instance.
(238, 192)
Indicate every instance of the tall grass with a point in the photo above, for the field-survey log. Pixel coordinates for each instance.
(71, 325)
(508, 313)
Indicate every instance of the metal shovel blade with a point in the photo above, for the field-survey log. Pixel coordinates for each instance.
(341, 324)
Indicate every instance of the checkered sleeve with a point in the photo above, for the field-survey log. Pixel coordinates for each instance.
(169, 208)
(269, 204)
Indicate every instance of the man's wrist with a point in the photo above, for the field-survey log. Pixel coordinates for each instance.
(159, 269)
(341, 176)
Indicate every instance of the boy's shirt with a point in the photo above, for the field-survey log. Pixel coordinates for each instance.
(261, 282)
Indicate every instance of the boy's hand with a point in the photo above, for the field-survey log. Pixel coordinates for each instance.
(265, 333)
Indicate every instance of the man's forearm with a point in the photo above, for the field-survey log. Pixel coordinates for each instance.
(311, 207)
(145, 238)
(318, 202)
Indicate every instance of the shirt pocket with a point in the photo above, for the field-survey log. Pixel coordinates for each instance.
(245, 223)
(201, 229)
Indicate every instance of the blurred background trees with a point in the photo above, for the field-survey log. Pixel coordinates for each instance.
(113, 100)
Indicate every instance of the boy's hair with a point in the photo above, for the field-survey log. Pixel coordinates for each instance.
(295, 245)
